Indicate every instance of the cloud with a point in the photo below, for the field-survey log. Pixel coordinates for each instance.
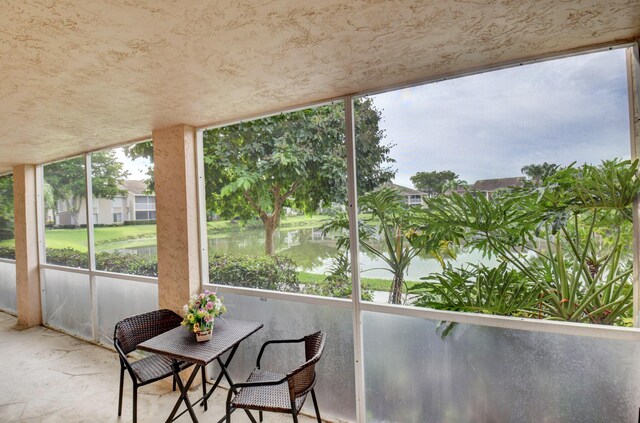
(490, 125)
(137, 168)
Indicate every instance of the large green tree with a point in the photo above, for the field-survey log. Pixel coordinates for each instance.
(537, 173)
(432, 182)
(66, 180)
(297, 160)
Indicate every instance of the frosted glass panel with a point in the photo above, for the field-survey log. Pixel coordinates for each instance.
(68, 302)
(8, 287)
(117, 299)
(481, 374)
(335, 388)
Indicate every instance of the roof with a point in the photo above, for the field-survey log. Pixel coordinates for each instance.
(135, 187)
(404, 190)
(81, 76)
(490, 185)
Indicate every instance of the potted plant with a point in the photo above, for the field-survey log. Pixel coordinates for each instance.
(200, 313)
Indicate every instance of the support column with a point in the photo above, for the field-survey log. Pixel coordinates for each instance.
(174, 151)
(28, 301)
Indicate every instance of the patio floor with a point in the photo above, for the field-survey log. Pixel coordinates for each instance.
(48, 376)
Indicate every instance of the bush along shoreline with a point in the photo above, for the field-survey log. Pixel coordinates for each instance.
(276, 273)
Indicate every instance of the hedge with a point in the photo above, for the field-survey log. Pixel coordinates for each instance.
(8, 253)
(265, 272)
(276, 273)
(139, 222)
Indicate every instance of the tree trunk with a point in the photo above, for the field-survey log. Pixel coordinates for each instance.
(270, 227)
(395, 295)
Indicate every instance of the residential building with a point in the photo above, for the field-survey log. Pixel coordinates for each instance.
(488, 187)
(412, 197)
(137, 205)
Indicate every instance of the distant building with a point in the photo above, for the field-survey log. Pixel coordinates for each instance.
(488, 186)
(412, 197)
(136, 205)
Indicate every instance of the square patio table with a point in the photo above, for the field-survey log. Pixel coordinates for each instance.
(180, 345)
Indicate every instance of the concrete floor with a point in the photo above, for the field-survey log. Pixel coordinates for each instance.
(47, 376)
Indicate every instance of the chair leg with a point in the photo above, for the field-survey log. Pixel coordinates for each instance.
(228, 405)
(174, 382)
(260, 415)
(315, 405)
(121, 388)
(135, 403)
(295, 417)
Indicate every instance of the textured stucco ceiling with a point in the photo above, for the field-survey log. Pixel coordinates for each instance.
(79, 75)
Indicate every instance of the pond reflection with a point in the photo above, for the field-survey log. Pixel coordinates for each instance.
(312, 252)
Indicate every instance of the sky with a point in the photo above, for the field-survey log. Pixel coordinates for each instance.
(490, 125)
(137, 168)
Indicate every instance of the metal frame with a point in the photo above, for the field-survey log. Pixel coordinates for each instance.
(282, 296)
(633, 82)
(203, 243)
(354, 248)
(91, 272)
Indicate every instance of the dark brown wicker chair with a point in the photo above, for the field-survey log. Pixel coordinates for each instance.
(127, 335)
(278, 392)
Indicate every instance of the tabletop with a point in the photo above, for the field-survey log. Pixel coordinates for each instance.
(180, 344)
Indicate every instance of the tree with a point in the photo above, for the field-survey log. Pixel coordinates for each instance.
(453, 185)
(67, 180)
(6, 207)
(297, 160)
(143, 150)
(432, 182)
(537, 173)
(390, 233)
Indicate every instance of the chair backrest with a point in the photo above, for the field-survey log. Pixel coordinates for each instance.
(133, 330)
(302, 379)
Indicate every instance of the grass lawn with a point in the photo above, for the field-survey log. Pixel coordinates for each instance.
(287, 222)
(128, 236)
(131, 236)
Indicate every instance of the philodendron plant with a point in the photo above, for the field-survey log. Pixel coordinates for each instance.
(568, 241)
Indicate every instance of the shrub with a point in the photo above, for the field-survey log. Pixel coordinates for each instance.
(8, 253)
(139, 222)
(67, 257)
(338, 283)
(337, 287)
(109, 262)
(127, 263)
(264, 272)
(84, 225)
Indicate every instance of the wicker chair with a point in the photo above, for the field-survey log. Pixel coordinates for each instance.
(278, 392)
(134, 330)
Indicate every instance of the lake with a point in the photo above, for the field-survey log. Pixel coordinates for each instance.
(310, 250)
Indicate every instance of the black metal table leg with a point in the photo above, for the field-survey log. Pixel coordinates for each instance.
(184, 392)
(221, 374)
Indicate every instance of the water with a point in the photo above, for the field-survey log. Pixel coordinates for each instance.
(311, 251)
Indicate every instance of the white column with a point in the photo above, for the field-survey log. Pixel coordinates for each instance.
(174, 151)
(28, 302)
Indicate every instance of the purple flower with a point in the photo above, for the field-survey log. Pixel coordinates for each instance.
(209, 305)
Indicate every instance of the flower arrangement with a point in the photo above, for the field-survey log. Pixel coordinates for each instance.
(201, 310)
